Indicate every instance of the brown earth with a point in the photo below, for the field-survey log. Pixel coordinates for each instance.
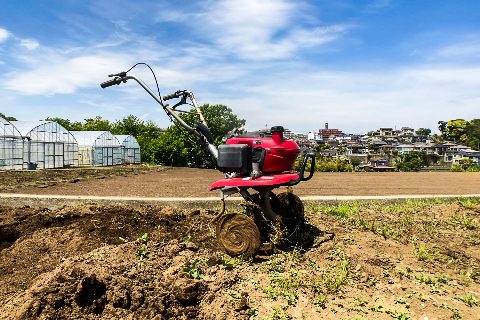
(139, 181)
(408, 260)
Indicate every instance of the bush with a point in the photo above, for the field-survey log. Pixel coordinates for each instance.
(327, 165)
(473, 168)
(456, 168)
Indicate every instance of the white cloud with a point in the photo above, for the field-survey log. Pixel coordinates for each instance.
(65, 75)
(29, 44)
(4, 35)
(358, 101)
(461, 50)
(261, 30)
(254, 30)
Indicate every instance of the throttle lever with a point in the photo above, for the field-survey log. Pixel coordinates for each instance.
(122, 74)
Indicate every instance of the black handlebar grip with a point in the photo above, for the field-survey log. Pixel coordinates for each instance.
(106, 84)
(171, 96)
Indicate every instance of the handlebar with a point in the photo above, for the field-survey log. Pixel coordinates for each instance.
(108, 83)
(198, 131)
(177, 94)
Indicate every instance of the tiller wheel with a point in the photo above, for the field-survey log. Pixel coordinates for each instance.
(237, 235)
(269, 219)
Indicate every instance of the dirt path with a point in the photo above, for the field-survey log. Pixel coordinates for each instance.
(187, 182)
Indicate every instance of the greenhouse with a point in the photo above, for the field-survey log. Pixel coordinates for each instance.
(98, 148)
(11, 147)
(47, 144)
(130, 148)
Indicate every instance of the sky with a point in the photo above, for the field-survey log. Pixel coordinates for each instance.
(356, 64)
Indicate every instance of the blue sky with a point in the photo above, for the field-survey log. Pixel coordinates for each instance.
(358, 65)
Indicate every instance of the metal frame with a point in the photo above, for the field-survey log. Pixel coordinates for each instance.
(11, 147)
(46, 145)
(130, 149)
(98, 148)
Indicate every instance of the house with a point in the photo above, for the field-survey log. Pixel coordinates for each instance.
(385, 132)
(329, 134)
(404, 148)
(378, 165)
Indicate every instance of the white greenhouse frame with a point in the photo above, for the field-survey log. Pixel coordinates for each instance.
(98, 148)
(47, 145)
(11, 146)
(130, 148)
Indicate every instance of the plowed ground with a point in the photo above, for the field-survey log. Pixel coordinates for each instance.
(154, 181)
(368, 260)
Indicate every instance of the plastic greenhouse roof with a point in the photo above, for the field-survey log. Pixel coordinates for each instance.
(24, 127)
(14, 130)
(123, 137)
(88, 138)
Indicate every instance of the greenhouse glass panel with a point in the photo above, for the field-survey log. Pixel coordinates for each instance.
(47, 145)
(98, 148)
(130, 148)
(11, 146)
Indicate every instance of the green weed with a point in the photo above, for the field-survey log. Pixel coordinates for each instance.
(336, 277)
(465, 222)
(470, 300)
(423, 253)
(342, 210)
(192, 270)
(455, 313)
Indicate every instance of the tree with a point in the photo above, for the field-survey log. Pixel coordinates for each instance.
(67, 124)
(146, 133)
(413, 161)
(473, 134)
(423, 132)
(97, 124)
(220, 120)
(454, 130)
(136, 127)
(7, 118)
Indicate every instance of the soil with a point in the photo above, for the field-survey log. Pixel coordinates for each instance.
(142, 181)
(414, 259)
(39, 179)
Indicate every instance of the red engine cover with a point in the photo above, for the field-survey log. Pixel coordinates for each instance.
(280, 154)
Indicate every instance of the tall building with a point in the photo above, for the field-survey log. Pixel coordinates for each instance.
(327, 134)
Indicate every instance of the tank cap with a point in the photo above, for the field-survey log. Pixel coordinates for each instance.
(277, 129)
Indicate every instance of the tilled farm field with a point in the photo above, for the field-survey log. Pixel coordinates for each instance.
(154, 181)
(368, 260)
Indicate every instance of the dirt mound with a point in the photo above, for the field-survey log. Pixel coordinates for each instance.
(112, 282)
(369, 260)
(109, 263)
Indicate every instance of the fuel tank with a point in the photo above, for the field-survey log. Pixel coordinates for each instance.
(274, 153)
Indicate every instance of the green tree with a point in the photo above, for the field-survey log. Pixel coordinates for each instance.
(454, 130)
(413, 161)
(7, 118)
(146, 133)
(97, 124)
(423, 132)
(473, 134)
(67, 124)
(220, 120)
(136, 127)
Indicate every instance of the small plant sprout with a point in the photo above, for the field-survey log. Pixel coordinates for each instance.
(142, 249)
(143, 238)
(192, 270)
(186, 238)
(423, 253)
(142, 252)
(470, 300)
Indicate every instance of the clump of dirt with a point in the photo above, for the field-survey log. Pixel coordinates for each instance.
(373, 260)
